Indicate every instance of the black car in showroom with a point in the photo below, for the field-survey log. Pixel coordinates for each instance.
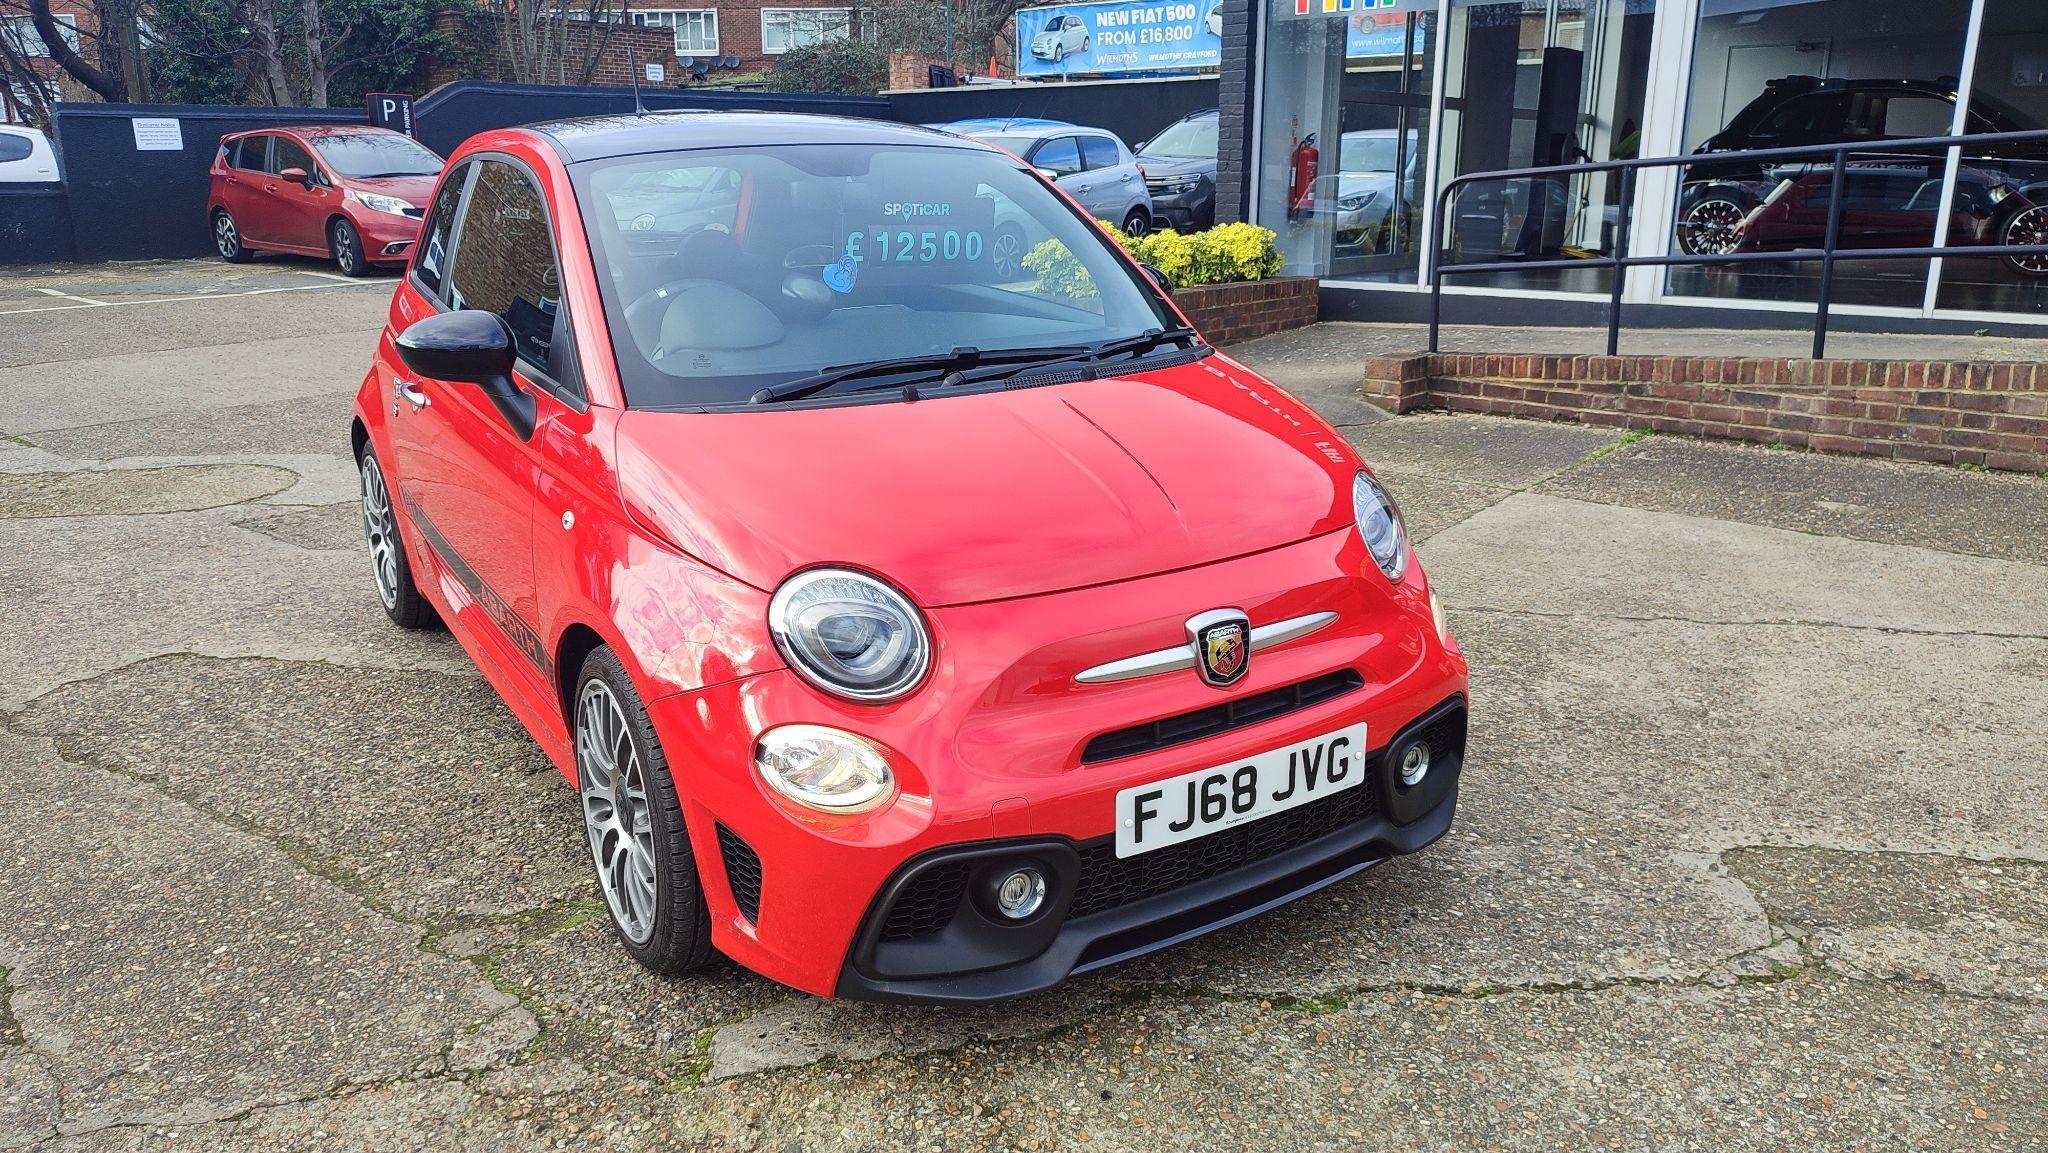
(1180, 172)
(1799, 111)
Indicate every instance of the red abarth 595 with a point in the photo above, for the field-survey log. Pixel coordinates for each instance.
(915, 625)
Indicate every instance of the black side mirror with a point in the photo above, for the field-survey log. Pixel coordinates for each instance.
(1159, 278)
(470, 346)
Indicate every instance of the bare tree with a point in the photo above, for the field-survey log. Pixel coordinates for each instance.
(111, 86)
(554, 44)
(29, 88)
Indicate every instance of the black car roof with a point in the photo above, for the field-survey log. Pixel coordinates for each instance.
(601, 137)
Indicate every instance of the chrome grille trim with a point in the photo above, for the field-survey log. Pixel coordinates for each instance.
(1183, 656)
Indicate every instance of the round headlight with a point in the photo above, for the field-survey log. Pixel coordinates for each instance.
(850, 634)
(1379, 523)
(824, 769)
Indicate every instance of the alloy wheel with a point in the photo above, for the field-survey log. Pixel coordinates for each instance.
(1007, 249)
(225, 238)
(345, 252)
(1137, 224)
(1709, 227)
(2029, 227)
(380, 526)
(616, 811)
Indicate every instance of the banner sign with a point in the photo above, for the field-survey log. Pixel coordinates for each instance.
(1119, 37)
(1371, 27)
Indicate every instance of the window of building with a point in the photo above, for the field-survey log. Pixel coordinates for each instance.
(505, 261)
(21, 35)
(696, 29)
(785, 28)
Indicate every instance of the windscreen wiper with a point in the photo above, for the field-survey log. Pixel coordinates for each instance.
(1137, 345)
(941, 363)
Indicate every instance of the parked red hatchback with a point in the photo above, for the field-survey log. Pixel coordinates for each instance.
(352, 193)
(912, 626)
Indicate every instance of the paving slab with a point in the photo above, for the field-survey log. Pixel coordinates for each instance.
(1542, 554)
(45, 396)
(170, 967)
(186, 583)
(2001, 515)
(320, 527)
(129, 491)
(1799, 1063)
(1494, 452)
(381, 787)
(304, 426)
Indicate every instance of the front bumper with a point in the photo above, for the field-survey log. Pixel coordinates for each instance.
(387, 238)
(1005, 746)
(1186, 211)
(966, 962)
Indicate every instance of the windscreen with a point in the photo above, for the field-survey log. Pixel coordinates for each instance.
(368, 155)
(1191, 138)
(727, 271)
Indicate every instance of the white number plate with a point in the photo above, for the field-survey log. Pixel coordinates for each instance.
(1205, 801)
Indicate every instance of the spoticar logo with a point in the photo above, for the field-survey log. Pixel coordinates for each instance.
(908, 209)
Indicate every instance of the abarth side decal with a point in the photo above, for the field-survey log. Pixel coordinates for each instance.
(495, 607)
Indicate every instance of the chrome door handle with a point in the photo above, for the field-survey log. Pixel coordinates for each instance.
(409, 392)
(1126, 178)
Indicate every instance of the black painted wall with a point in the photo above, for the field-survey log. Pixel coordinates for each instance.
(132, 205)
(35, 224)
(1133, 109)
(455, 112)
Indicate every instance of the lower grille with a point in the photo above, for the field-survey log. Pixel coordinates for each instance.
(1232, 714)
(1107, 881)
(742, 873)
(927, 904)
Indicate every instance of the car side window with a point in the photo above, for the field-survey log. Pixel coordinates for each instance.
(1100, 152)
(14, 147)
(291, 154)
(1060, 156)
(252, 153)
(504, 261)
(431, 265)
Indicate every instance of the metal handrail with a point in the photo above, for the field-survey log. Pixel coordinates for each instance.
(1619, 262)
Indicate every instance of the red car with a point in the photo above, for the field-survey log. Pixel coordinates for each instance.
(913, 628)
(347, 192)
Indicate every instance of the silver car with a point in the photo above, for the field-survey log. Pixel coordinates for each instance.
(1089, 164)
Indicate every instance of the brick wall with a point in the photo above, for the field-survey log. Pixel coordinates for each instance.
(910, 70)
(490, 59)
(1945, 412)
(1224, 313)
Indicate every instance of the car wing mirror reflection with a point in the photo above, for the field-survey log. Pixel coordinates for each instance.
(470, 346)
(1159, 278)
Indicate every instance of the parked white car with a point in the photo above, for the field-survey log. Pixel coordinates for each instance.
(1067, 35)
(26, 156)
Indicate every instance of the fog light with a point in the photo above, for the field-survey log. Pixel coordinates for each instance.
(1414, 765)
(1021, 894)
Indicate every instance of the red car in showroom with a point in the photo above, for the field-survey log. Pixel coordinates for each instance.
(910, 627)
(348, 192)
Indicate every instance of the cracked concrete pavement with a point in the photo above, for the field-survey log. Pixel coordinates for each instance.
(1750, 855)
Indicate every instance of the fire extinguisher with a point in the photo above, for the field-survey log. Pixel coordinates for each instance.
(1301, 180)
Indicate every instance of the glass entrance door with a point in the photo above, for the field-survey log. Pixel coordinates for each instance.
(1382, 149)
(1531, 83)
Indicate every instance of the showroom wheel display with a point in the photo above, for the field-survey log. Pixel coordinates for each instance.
(641, 851)
(227, 238)
(2027, 226)
(395, 588)
(347, 245)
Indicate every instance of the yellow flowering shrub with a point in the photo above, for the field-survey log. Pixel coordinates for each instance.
(1222, 255)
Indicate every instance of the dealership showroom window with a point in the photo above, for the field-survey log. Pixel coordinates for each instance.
(1365, 112)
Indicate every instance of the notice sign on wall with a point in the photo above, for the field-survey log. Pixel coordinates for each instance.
(1121, 37)
(158, 134)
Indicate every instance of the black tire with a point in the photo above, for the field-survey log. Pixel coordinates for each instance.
(1138, 223)
(395, 588)
(680, 939)
(227, 238)
(1706, 223)
(2028, 225)
(347, 246)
